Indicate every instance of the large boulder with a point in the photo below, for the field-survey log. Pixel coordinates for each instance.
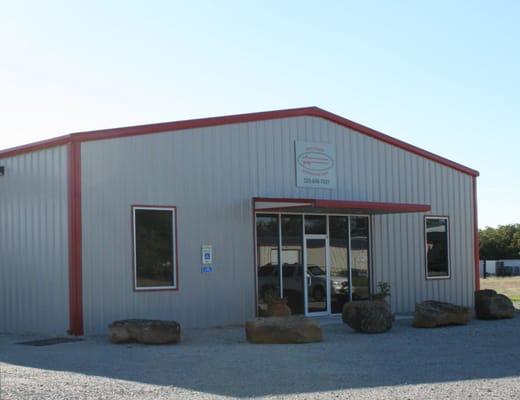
(368, 316)
(430, 314)
(283, 330)
(147, 331)
(491, 305)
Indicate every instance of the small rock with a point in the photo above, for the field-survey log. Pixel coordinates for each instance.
(146, 331)
(368, 316)
(491, 305)
(430, 314)
(283, 330)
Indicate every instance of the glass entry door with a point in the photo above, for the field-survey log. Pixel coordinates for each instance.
(316, 262)
(316, 270)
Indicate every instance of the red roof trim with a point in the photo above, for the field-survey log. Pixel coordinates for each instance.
(235, 119)
(44, 144)
(349, 205)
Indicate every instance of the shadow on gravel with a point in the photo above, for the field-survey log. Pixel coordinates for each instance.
(219, 361)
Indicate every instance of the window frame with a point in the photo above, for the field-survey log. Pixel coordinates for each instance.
(175, 268)
(448, 246)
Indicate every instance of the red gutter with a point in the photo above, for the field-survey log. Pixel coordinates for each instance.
(282, 200)
(476, 240)
(75, 241)
(372, 206)
(235, 119)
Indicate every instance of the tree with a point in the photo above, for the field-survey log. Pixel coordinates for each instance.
(500, 243)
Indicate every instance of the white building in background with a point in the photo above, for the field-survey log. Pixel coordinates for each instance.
(493, 267)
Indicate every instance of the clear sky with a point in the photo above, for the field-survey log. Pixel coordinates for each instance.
(442, 75)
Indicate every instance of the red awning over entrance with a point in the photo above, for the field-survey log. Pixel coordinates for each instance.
(335, 206)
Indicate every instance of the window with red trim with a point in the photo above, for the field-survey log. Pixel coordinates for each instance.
(154, 248)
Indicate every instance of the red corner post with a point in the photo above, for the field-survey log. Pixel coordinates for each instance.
(476, 240)
(75, 242)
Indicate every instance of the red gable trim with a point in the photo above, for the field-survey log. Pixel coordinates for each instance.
(235, 119)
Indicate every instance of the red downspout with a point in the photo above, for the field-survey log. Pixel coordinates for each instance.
(75, 240)
(476, 241)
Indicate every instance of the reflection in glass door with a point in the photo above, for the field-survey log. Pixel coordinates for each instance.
(268, 265)
(339, 262)
(359, 246)
(292, 262)
(317, 297)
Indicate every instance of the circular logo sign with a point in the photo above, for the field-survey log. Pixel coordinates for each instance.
(315, 162)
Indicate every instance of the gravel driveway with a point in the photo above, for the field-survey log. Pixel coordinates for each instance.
(481, 360)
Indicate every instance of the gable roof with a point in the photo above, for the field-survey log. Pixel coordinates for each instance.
(234, 119)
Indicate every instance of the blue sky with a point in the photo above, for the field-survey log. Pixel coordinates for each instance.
(441, 75)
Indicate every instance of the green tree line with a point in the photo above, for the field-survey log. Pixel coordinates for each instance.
(500, 243)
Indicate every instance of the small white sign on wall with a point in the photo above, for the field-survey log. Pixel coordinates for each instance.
(315, 165)
(207, 254)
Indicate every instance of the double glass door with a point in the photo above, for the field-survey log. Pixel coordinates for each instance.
(316, 262)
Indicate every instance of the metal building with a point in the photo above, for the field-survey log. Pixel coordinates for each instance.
(204, 221)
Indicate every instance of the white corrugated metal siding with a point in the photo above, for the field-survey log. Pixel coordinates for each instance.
(211, 174)
(33, 243)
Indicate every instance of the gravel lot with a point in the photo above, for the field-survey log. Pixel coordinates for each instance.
(481, 360)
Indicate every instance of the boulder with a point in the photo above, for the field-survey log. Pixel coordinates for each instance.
(491, 305)
(147, 331)
(430, 314)
(283, 330)
(368, 316)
